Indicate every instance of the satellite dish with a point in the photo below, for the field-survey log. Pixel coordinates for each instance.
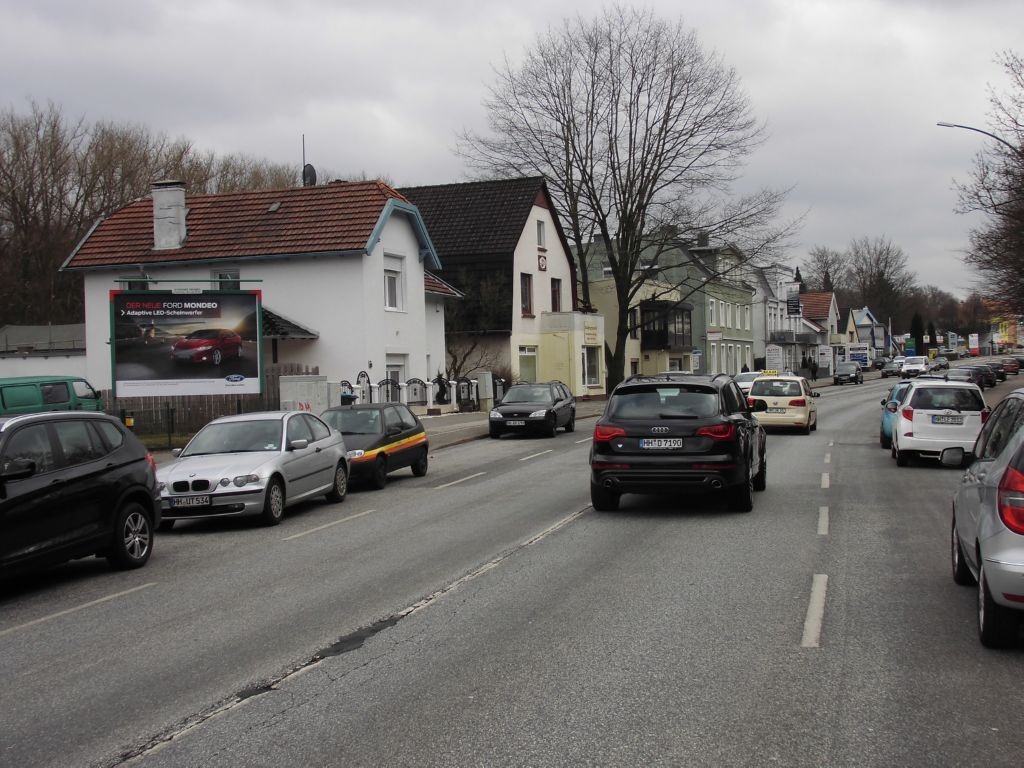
(308, 175)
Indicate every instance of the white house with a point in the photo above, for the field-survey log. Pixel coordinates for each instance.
(343, 270)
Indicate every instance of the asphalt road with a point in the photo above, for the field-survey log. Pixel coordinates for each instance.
(486, 615)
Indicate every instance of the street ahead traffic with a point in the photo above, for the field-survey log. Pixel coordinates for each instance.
(485, 614)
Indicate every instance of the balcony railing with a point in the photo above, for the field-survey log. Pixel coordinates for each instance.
(782, 337)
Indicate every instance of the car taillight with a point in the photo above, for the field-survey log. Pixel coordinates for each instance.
(718, 432)
(603, 433)
(1011, 500)
(800, 402)
(751, 401)
(908, 414)
(985, 414)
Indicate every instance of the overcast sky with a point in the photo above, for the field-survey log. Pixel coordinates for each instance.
(850, 90)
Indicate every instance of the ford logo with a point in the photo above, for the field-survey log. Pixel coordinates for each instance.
(235, 377)
(659, 430)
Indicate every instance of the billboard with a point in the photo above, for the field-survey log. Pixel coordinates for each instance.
(166, 343)
(793, 299)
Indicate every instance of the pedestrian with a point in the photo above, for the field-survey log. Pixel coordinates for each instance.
(814, 369)
(744, 369)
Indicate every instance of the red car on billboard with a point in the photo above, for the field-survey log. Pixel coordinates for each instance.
(209, 345)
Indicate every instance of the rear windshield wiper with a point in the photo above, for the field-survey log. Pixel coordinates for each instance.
(677, 416)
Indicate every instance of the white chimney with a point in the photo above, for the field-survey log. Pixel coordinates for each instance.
(168, 215)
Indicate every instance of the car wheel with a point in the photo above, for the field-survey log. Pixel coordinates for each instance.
(552, 426)
(761, 478)
(340, 486)
(379, 477)
(273, 505)
(603, 499)
(902, 457)
(741, 497)
(997, 625)
(806, 429)
(961, 573)
(419, 469)
(217, 357)
(133, 537)
(571, 424)
(814, 427)
(166, 525)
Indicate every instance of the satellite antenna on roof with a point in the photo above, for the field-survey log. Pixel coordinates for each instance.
(308, 171)
(308, 175)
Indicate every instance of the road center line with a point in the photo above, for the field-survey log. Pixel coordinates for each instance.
(828, 458)
(456, 482)
(535, 455)
(815, 612)
(77, 608)
(823, 521)
(824, 479)
(589, 439)
(327, 525)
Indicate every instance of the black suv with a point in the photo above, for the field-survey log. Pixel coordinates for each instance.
(74, 484)
(677, 432)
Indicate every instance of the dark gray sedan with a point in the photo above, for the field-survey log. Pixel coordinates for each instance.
(254, 464)
(534, 408)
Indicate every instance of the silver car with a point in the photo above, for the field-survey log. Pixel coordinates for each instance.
(987, 542)
(254, 464)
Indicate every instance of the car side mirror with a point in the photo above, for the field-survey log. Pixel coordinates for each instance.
(18, 469)
(759, 406)
(891, 406)
(176, 452)
(298, 445)
(952, 457)
(815, 394)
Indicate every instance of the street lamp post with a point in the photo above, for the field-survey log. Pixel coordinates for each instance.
(1000, 139)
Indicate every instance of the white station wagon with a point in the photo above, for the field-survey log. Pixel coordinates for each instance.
(934, 415)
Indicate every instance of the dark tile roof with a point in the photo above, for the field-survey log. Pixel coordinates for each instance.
(477, 219)
(276, 326)
(335, 217)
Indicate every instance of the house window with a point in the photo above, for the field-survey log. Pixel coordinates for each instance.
(394, 283)
(711, 312)
(746, 315)
(721, 314)
(591, 366)
(713, 359)
(138, 285)
(526, 293)
(527, 363)
(227, 280)
(606, 271)
(556, 292)
(540, 233)
(634, 323)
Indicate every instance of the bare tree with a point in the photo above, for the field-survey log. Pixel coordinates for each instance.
(826, 269)
(639, 133)
(58, 176)
(880, 278)
(997, 190)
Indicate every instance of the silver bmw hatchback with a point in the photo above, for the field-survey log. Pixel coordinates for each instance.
(987, 542)
(254, 464)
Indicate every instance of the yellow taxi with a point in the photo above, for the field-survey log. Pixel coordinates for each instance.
(790, 401)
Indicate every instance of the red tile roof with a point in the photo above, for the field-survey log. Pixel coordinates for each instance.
(816, 305)
(334, 217)
(434, 284)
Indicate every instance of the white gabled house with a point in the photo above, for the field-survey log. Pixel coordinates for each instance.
(343, 268)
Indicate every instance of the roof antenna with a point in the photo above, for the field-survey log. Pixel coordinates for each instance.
(308, 171)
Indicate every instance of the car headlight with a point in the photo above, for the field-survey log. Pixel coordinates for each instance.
(356, 453)
(204, 348)
(495, 414)
(538, 414)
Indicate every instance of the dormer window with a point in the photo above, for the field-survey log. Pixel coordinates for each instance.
(540, 234)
